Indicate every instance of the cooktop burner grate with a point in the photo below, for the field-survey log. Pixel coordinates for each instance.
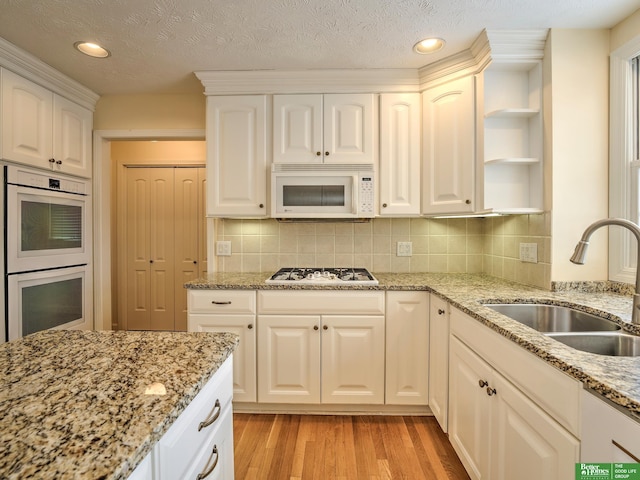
(323, 276)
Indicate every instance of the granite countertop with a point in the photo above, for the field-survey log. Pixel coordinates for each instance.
(73, 403)
(616, 378)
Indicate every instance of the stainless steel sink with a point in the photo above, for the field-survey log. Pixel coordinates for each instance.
(611, 344)
(554, 318)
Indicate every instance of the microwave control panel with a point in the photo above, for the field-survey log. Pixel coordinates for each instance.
(366, 194)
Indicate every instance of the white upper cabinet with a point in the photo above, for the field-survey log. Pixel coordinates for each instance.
(510, 122)
(237, 158)
(449, 148)
(43, 129)
(335, 128)
(72, 126)
(400, 154)
(513, 137)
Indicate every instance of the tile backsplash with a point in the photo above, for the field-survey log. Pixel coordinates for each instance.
(460, 245)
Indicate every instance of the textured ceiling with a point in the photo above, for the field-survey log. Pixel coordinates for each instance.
(156, 45)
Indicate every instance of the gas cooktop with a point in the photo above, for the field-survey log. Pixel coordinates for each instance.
(323, 276)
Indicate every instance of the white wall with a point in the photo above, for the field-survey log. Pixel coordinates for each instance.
(579, 152)
(625, 31)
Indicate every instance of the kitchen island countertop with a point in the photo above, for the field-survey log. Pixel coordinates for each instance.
(73, 403)
(616, 378)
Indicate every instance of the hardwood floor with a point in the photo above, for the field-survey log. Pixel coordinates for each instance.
(310, 447)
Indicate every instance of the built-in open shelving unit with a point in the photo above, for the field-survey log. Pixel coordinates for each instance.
(513, 135)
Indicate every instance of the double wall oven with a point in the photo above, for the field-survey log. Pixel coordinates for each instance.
(47, 241)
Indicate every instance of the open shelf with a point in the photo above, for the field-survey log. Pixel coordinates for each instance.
(513, 113)
(516, 160)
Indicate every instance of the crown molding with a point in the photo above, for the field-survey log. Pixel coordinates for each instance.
(517, 45)
(24, 64)
(248, 82)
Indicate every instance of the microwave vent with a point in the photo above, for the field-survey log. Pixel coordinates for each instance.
(322, 167)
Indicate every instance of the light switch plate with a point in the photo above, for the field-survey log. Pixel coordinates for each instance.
(223, 248)
(404, 249)
(529, 252)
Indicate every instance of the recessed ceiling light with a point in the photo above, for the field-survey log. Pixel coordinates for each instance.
(92, 49)
(428, 45)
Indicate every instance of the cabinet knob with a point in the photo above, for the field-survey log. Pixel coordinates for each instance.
(250, 326)
(58, 162)
(261, 205)
(440, 311)
(315, 327)
(150, 261)
(467, 201)
(326, 154)
(52, 160)
(324, 327)
(483, 383)
(195, 262)
(384, 205)
(318, 154)
(491, 391)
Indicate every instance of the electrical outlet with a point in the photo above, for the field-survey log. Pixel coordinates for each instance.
(529, 252)
(223, 248)
(404, 249)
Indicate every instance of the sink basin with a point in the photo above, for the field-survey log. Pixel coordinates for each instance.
(611, 344)
(554, 318)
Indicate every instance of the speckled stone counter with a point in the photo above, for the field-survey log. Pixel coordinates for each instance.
(73, 403)
(616, 378)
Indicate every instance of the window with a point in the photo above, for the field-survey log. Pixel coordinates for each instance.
(624, 182)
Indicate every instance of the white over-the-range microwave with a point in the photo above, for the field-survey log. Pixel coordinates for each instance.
(322, 190)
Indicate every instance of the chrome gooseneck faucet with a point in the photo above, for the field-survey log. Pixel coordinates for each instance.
(581, 251)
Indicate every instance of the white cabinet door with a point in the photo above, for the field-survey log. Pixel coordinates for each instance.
(526, 443)
(289, 358)
(400, 168)
(297, 129)
(27, 129)
(470, 409)
(336, 128)
(72, 126)
(407, 347)
(244, 357)
(449, 148)
(237, 156)
(348, 128)
(352, 359)
(439, 359)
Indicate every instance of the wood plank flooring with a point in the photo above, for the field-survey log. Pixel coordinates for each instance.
(319, 447)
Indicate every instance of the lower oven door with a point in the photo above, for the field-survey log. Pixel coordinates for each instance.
(59, 298)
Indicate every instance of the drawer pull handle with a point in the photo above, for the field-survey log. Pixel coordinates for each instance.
(483, 383)
(213, 418)
(440, 311)
(228, 302)
(208, 471)
(635, 459)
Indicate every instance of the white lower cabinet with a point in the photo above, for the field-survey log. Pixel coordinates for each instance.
(498, 431)
(407, 348)
(229, 311)
(439, 360)
(199, 443)
(321, 347)
(608, 435)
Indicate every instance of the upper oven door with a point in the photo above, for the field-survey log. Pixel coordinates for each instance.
(46, 229)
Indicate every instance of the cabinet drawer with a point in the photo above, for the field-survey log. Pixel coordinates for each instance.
(222, 301)
(325, 302)
(178, 448)
(214, 459)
